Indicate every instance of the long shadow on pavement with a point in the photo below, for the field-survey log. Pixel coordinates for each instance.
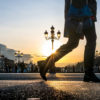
(34, 90)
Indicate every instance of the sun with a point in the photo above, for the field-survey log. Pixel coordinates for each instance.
(47, 48)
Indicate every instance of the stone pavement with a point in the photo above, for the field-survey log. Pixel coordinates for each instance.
(60, 87)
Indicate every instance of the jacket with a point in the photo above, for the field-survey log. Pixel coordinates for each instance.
(92, 4)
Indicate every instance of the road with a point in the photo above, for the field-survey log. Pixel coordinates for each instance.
(62, 86)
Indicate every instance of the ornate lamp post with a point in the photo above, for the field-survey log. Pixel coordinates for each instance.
(52, 37)
(18, 55)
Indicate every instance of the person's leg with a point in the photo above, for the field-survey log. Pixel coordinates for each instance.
(89, 55)
(62, 51)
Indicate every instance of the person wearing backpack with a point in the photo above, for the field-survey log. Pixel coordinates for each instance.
(80, 18)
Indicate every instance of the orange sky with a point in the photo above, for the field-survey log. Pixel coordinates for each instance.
(23, 23)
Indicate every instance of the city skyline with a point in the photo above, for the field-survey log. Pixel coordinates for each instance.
(23, 23)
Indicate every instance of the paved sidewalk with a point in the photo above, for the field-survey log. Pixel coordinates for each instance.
(60, 87)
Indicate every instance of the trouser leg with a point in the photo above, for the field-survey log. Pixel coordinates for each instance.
(89, 53)
(63, 50)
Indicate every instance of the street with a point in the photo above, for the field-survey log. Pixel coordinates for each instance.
(62, 86)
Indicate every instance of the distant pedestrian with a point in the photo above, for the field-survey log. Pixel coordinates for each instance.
(22, 67)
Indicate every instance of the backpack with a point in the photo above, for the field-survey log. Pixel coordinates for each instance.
(78, 18)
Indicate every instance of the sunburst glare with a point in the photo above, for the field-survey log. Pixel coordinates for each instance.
(47, 47)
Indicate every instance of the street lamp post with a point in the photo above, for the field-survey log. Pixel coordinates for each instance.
(52, 37)
(18, 55)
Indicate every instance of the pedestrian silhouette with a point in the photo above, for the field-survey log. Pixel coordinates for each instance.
(80, 18)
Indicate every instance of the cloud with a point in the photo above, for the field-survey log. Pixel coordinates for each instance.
(10, 53)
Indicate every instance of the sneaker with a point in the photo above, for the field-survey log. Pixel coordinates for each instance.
(41, 65)
(91, 78)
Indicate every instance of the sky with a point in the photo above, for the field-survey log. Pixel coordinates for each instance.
(23, 23)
